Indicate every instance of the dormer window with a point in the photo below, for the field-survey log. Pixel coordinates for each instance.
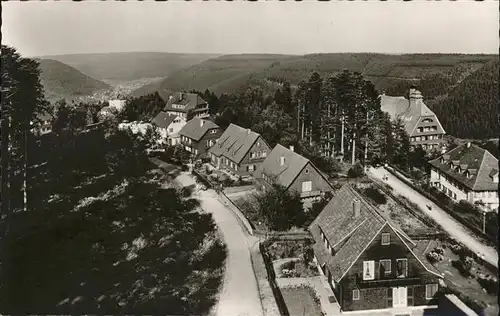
(282, 161)
(442, 160)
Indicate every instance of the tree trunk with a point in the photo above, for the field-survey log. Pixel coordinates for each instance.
(353, 159)
(366, 142)
(342, 139)
(5, 216)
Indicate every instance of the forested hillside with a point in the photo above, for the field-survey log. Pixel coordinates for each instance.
(130, 66)
(236, 73)
(471, 108)
(62, 81)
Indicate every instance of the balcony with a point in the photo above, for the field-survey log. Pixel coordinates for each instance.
(304, 195)
(388, 282)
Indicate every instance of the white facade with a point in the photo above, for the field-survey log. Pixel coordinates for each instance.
(117, 104)
(171, 132)
(457, 191)
(201, 114)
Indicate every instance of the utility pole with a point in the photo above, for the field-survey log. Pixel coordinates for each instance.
(366, 141)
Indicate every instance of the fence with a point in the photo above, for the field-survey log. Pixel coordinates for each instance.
(394, 171)
(236, 210)
(271, 276)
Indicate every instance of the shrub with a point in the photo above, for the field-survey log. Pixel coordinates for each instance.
(439, 250)
(290, 265)
(356, 171)
(375, 194)
(489, 284)
(434, 257)
(463, 265)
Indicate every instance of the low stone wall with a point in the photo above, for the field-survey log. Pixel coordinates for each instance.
(239, 215)
(269, 305)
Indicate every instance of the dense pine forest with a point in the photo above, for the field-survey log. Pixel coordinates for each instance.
(467, 107)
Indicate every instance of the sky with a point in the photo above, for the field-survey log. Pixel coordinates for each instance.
(51, 28)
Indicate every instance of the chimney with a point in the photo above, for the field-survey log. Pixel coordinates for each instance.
(282, 161)
(292, 148)
(468, 145)
(201, 123)
(248, 131)
(180, 95)
(356, 207)
(170, 97)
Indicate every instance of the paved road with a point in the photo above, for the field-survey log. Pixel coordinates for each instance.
(449, 224)
(240, 293)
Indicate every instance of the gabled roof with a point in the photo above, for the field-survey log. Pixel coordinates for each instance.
(190, 101)
(410, 112)
(294, 163)
(196, 128)
(235, 143)
(350, 236)
(163, 119)
(480, 166)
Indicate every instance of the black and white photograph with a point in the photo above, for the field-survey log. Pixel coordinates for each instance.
(250, 158)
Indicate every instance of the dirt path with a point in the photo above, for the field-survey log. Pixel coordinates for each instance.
(240, 293)
(449, 224)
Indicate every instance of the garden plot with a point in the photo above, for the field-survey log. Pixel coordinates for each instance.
(472, 282)
(301, 300)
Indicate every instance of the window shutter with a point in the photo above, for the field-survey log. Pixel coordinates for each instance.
(410, 295)
(389, 297)
(377, 270)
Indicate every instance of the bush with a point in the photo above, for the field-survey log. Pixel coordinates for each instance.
(434, 257)
(463, 265)
(489, 284)
(290, 265)
(375, 195)
(356, 171)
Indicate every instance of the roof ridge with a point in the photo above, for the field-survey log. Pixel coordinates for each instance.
(480, 167)
(368, 205)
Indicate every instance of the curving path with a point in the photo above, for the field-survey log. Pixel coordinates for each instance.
(449, 224)
(240, 293)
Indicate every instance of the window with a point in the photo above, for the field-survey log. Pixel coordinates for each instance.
(258, 144)
(430, 290)
(307, 171)
(252, 155)
(264, 154)
(251, 168)
(402, 268)
(385, 266)
(368, 270)
(355, 295)
(386, 239)
(306, 186)
(213, 131)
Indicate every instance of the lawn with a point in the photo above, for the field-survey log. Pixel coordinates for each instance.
(301, 300)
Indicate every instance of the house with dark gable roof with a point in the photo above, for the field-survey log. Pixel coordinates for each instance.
(198, 135)
(181, 103)
(421, 124)
(286, 167)
(369, 263)
(169, 126)
(467, 172)
(239, 150)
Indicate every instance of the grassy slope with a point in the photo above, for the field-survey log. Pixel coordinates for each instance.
(235, 72)
(130, 66)
(63, 81)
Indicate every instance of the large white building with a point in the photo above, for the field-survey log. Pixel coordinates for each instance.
(467, 172)
(169, 126)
